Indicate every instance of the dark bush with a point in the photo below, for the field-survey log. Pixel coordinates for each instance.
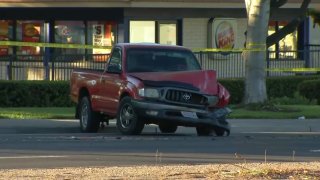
(235, 88)
(277, 87)
(285, 86)
(310, 89)
(34, 94)
(56, 93)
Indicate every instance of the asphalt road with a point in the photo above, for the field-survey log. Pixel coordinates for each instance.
(58, 143)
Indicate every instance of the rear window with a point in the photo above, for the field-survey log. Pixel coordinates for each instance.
(160, 60)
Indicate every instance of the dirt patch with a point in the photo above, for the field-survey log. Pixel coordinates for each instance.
(212, 171)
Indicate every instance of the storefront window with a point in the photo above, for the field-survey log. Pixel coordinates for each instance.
(101, 33)
(168, 33)
(272, 49)
(271, 30)
(142, 31)
(289, 43)
(287, 47)
(6, 34)
(30, 31)
(69, 32)
(162, 32)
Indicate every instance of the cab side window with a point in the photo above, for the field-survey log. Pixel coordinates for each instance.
(115, 61)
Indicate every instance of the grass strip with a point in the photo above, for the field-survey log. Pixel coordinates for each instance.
(283, 112)
(37, 113)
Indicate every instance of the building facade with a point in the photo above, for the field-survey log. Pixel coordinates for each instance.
(194, 24)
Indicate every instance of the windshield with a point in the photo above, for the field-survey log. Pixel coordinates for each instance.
(160, 60)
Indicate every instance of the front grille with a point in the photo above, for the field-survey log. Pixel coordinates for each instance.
(186, 97)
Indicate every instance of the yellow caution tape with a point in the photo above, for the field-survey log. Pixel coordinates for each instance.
(52, 45)
(293, 69)
(80, 46)
(229, 50)
(263, 47)
(257, 44)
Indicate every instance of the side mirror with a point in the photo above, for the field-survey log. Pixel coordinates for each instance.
(114, 68)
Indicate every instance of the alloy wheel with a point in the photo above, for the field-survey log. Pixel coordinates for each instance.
(127, 116)
(84, 116)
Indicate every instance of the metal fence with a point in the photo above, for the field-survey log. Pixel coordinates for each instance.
(227, 64)
(58, 67)
(232, 64)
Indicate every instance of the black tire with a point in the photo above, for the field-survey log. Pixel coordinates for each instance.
(219, 131)
(209, 131)
(167, 128)
(128, 122)
(89, 121)
(204, 131)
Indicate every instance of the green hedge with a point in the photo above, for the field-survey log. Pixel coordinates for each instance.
(56, 93)
(34, 94)
(276, 86)
(310, 89)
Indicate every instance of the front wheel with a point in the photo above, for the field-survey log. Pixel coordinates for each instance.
(209, 131)
(128, 121)
(89, 121)
(219, 131)
(204, 131)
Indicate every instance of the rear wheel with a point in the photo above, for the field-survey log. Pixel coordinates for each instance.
(89, 121)
(128, 121)
(167, 128)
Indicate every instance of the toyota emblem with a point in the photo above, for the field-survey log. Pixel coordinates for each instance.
(186, 96)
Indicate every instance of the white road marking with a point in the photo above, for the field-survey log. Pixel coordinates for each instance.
(30, 157)
(261, 132)
(315, 151)
(65, 120)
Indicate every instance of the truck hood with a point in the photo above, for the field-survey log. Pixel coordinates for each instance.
(205, 80)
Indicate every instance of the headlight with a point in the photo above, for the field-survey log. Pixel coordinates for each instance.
(149, 92)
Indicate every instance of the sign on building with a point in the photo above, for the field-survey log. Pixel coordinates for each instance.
(222, 33)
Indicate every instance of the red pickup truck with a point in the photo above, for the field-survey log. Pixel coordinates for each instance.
(151, 84)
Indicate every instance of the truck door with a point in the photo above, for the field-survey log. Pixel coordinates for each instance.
(110, 83)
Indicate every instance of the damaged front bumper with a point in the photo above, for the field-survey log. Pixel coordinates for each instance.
(183, 116)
